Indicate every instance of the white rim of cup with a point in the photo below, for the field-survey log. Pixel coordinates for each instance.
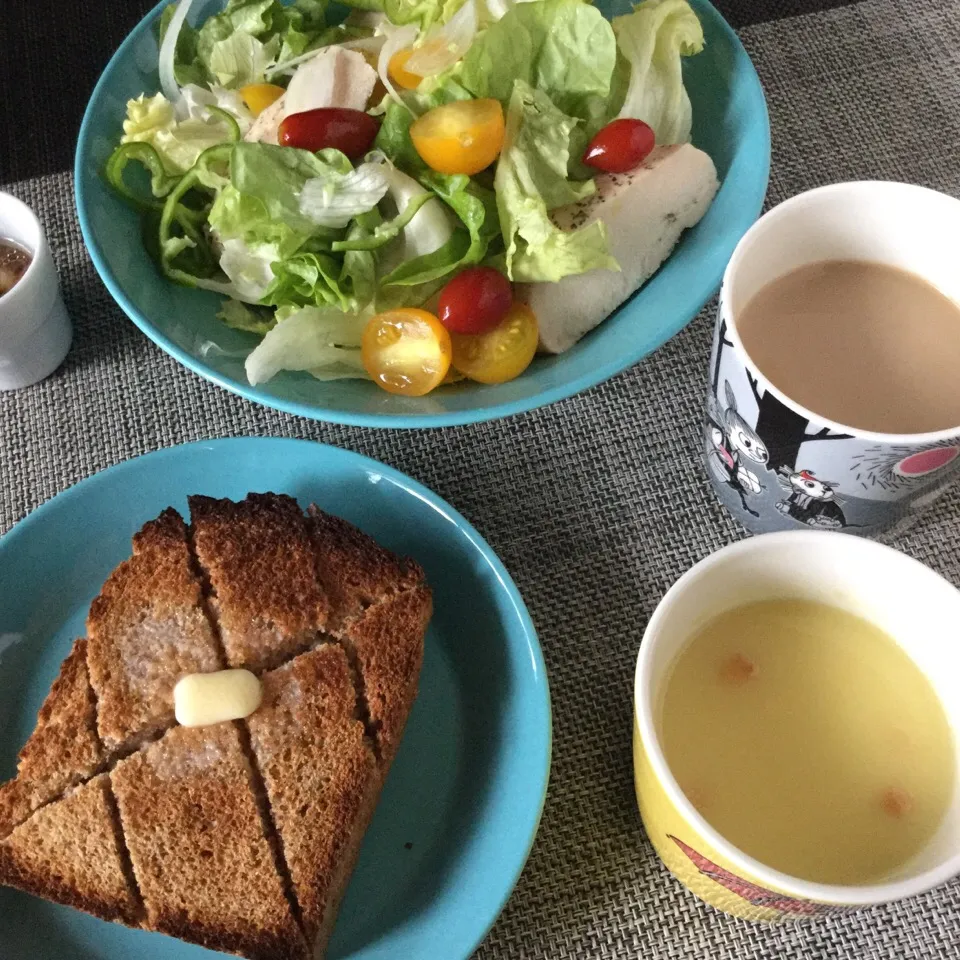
(785, 209)
(35, 254)
(838, 894)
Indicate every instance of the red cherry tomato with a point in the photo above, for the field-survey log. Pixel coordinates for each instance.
(350, 131)
(475, 301)
(622, 145)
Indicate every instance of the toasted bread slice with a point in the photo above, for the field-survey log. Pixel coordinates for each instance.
(70, 852)
(63, 749)
(386, 645)
(242, 836)
(354, 569)
(264, 588)
(321, 778)
(201, 857)
(145, 630)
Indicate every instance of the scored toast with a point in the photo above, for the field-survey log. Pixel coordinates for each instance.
(70, 852)
(239, 836)
(386, 643)
(354, 570)
(321, 777)
(64, 748)
(263, 583)
(145, 630)
(201, 855)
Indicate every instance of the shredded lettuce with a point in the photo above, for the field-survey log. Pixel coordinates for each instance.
(249, 266)
(315, 277)
(426, 13)
(261, 204)
(241, 59)
(653, 39)
(306, 278)
(423, 13)
(564, 48)
(202, 103)
(178, 143)
(325, 342)
(531, 180)
(303, 26)
(239, 45)
(274, 250)
(421, 224)
(473, 205)
(334, 198)
(242, 316)
(476, 209)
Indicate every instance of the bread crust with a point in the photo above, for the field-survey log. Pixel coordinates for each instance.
(355, 571)
(69, 852)
(145, 630)
(386, 643)
(64, 748)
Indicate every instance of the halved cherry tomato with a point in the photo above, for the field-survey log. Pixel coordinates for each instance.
(406, 351)
(350, 131)
(475, 300)
(621, 146)
(398, 72)
(259, 96)
(460, 137)
(501, 354)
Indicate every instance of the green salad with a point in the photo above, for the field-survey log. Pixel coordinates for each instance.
(367, 195)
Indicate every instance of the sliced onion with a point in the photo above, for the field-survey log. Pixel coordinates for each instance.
(332, 201)
(365, 44)
(361, 45)
(397, 39)
(168, 50)
(444, 46)
(288, 66)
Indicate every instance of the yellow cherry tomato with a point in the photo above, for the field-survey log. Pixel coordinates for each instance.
(406, 351)
(500, 354)
(397, 69)
(460, 137)
(259, 96)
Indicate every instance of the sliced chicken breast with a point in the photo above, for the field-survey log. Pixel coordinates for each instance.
(335, 77)
(645, 212)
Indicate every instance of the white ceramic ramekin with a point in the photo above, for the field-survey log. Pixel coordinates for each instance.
(35, 331)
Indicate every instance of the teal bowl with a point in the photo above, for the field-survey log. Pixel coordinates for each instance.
(730, 123)
(461, 806)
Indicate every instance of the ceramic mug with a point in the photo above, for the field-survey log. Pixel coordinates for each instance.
(907, 600)
(35, 330)
(778, 466)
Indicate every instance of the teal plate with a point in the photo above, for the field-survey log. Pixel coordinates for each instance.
(730, 123)
(461, 806)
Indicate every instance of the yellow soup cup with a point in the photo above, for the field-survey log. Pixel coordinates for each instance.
(911, 603)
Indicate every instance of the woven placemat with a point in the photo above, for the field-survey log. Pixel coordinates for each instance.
(596, 505)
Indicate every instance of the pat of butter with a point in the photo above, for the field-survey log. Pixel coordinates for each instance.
(202, 699)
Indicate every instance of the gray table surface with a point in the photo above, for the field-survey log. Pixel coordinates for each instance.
(596, 504)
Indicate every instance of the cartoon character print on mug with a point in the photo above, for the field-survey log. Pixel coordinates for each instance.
(776, 467)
